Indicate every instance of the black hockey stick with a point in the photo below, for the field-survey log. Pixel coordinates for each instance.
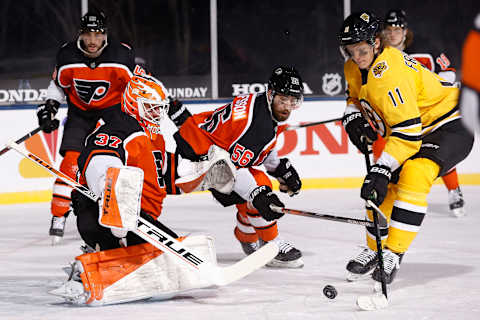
(378, 238)
(25, 137)
(330, 217)
(309, 124)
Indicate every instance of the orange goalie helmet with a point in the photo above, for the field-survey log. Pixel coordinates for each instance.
(145, 98)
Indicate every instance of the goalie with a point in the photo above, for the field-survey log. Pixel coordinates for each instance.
(124, 161)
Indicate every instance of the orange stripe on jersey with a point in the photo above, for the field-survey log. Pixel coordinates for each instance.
(149, 156)
(97, 88)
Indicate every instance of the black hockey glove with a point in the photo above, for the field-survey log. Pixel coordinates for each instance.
(262, 197)
(178, 113)
(358, 129)
(46, 115)
(375, 185)
(288, 177)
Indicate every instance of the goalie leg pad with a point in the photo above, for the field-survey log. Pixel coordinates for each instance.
(121, 198)
(138, 272)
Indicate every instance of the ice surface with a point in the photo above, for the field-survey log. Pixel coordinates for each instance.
(439, 276)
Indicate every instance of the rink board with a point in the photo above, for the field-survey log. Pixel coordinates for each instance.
(322, 154)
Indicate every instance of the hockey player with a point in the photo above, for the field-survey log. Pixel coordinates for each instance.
(247, 128)
(119, 266)
(398, 35)
(470, 97)
(416, 112)
(91, 73)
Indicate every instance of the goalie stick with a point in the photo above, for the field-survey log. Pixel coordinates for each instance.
(324, 216)
(219, 276)
(25, 137)
(309, 124)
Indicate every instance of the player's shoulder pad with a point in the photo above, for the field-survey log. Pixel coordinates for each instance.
(241, 106)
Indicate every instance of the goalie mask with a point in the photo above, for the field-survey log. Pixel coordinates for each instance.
(286, 81)
(145, 98)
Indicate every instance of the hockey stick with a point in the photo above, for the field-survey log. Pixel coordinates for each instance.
(25, 137)
(376, 301)
(309, 124)
(219, 276)
(366, 223)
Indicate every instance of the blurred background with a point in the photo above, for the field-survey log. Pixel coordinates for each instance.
(204, 49)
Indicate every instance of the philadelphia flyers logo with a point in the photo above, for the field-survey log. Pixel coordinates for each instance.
(91, 90)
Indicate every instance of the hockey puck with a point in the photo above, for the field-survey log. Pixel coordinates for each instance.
(330, 292)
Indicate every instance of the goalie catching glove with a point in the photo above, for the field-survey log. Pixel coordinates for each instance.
(262, 198)
(359, 130)
(46, 115)
(288, 177)
(375, 185)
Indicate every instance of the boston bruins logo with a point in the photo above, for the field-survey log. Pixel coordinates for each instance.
(91, 90)
(379, 69)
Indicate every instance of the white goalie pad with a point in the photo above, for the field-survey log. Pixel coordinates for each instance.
(160, 278)
(218, 172)
(121, 198)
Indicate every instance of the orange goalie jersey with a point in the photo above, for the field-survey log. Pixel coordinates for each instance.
(244, 128)
(122, 136)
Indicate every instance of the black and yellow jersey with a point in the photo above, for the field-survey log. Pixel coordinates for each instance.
(405, 102)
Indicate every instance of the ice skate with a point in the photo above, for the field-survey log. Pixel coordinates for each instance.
(362, 266)
(288, 256)
(57, 228)
(391, 265)
(456, 202)
(249, 247)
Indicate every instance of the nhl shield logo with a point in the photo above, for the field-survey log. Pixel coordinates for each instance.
(331, 83)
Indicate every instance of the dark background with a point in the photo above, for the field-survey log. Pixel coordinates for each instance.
(173, 37)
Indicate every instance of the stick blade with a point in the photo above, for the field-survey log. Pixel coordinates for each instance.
(256, 260)
(372, 302)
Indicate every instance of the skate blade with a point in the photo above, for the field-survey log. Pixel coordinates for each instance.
(295, 264)
(56, 240)
(458, 212)
(353, 277)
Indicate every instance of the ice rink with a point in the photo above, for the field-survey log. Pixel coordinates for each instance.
(439, 276)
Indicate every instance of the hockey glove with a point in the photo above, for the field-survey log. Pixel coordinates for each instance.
(288, 177)
(359, 131)
(262, 197)
(46, 115)
(177, 112)
(375, 185)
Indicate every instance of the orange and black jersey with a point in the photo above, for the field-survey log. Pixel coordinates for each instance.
(244, 128)
(93, 84)
(433, 59)
(121, 136)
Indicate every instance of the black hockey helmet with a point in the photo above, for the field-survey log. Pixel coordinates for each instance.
(287, 81)
(358, 27)
(396, 18)
(94, 21)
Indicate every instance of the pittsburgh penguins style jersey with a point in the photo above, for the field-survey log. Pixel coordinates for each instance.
(405, 101)
(244, 128)
(94, 83)
(120, 135)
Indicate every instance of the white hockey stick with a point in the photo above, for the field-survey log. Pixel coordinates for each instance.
(219, 276)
